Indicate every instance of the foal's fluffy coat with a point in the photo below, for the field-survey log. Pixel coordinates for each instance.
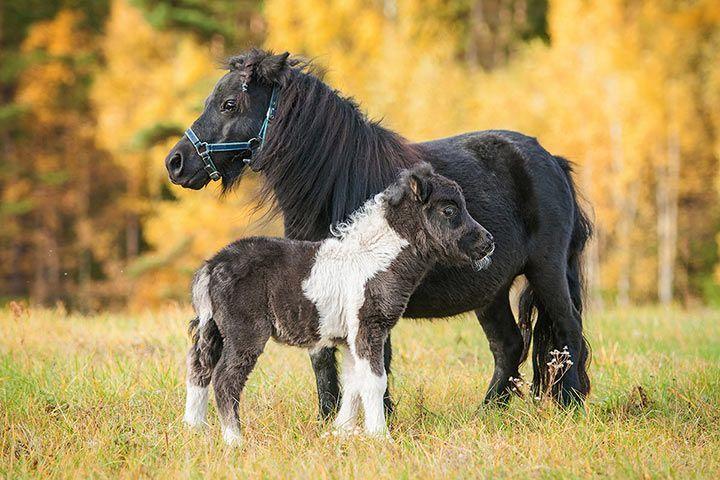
(348, 290)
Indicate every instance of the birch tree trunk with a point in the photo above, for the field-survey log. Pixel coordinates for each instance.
(666, 196)
(592, 250)
(624, 191)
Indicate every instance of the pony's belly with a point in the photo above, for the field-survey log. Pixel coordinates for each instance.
(452, 291)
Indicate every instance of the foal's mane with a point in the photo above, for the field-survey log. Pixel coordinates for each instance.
(323, 158)
(352, 223)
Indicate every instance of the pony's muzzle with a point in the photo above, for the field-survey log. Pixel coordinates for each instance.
(174, 164)
(184, 167)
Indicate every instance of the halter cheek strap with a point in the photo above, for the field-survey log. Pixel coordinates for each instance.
(205, 149)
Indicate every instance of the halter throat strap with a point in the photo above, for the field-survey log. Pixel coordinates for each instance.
(205, 149)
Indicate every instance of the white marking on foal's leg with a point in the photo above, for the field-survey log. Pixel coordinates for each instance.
(346, 419)
(196, 405)
(372, 388)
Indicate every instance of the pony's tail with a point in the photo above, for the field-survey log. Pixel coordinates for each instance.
(543, 331)
(527, 303)
(582, 232)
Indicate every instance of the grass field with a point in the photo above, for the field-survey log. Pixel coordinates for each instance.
(102, 397)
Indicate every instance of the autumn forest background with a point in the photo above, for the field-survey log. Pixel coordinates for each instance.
(94, 92)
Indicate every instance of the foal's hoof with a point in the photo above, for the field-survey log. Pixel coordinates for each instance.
(194, 424)
(343, 432)
(231, 437)
(380, 437)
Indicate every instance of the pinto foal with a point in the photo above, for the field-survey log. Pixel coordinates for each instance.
(348, 291)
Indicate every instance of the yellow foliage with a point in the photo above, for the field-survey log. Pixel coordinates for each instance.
(153, 77)
(610, 92)
(629, 91)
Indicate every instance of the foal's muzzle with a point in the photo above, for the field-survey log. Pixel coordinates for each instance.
(485, 260)
(482, 248)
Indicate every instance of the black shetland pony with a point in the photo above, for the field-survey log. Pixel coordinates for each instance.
(322, 158)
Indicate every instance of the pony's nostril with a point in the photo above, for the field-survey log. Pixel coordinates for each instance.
(175, 165)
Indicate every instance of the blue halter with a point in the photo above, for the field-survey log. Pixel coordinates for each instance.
(204, 149)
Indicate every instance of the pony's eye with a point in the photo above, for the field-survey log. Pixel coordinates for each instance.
(449, 211)
(229, 105)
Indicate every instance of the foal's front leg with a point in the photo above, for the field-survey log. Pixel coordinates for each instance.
(372, 383)
(346, 419)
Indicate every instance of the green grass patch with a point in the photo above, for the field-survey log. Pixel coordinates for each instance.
(102, 396)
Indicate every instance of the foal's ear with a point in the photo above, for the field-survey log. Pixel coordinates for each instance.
(420, 187)
(272, 67)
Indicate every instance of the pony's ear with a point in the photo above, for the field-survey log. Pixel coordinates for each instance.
(272, 67)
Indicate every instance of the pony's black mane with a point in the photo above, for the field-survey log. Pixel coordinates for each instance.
(323, 157)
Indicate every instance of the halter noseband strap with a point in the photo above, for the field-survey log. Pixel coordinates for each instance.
(205, 149)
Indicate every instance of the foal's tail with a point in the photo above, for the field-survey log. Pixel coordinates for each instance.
(207, 342)
(581, 233)
(201, 295)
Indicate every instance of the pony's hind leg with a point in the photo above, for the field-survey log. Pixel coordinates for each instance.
(202, 357)
(387, 398)
(558, 326)
(324, 366)
(506, 345)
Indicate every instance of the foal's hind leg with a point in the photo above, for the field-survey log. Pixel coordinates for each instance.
(506, 345)
(201, 360)
(229, 379)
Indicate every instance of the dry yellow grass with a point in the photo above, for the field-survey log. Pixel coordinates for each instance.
(102, 396)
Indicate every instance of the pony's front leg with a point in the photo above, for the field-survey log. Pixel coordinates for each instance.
(326, 377)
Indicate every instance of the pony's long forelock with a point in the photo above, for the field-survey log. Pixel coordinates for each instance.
(323, 158)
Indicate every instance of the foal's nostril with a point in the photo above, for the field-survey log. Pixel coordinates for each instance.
(175, 165)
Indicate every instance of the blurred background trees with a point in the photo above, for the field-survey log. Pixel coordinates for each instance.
(95, 92)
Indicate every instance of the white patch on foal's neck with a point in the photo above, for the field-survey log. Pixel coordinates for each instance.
(365, 246)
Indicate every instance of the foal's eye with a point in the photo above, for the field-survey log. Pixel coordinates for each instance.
(449, 211)
(229, 105)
